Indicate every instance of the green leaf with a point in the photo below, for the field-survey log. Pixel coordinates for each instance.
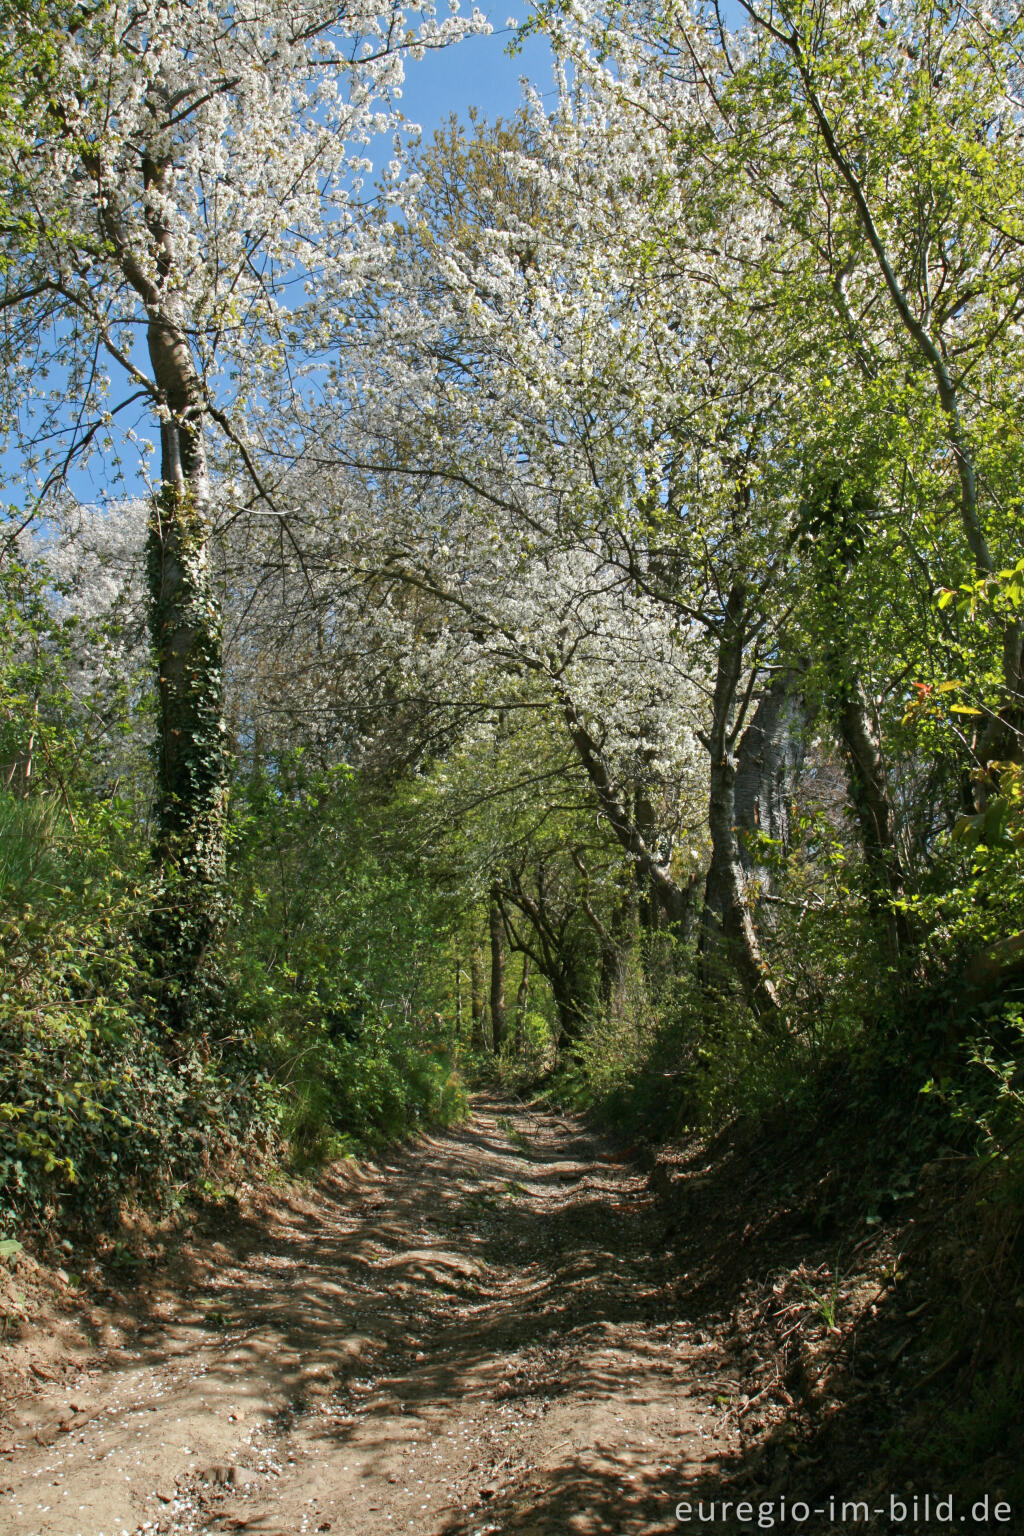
(9, 1246)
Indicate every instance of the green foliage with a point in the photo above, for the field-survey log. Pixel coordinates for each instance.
(95, 1108)
(636, 1061)
(346, 1094)
(321, 1018)
(336, 959)
(973, 895)
(819, 935)
(981, 1428)
(616, 1048)
(530, 1051)
(983, 1091)
(27, 854)
(333, 956)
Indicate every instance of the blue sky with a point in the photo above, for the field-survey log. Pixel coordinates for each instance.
(479, 72)
(476, 73)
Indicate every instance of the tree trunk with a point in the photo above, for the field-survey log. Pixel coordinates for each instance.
(837, 545)
(768, 763)
(873, 808)
(497, 973)
(523, 996)
(674, 902)
(728, 929)
(185, 632)
(570, 1013)
(476, 997)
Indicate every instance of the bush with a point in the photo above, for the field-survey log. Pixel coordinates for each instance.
(335, 961)
(94, 1106)
(97, 1104)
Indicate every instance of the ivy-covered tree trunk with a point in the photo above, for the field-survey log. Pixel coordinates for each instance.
(569, 1006)
(185, 633)
(191, 769)
(458, 997)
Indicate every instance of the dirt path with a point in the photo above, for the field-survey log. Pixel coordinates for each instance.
(475, 1335)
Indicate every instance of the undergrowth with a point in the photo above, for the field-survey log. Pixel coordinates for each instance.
(316, 1029)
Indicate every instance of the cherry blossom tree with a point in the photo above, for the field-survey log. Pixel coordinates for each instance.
(196, 173)
(550, 418)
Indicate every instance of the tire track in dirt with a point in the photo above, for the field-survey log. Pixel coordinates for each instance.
(475, 1334)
